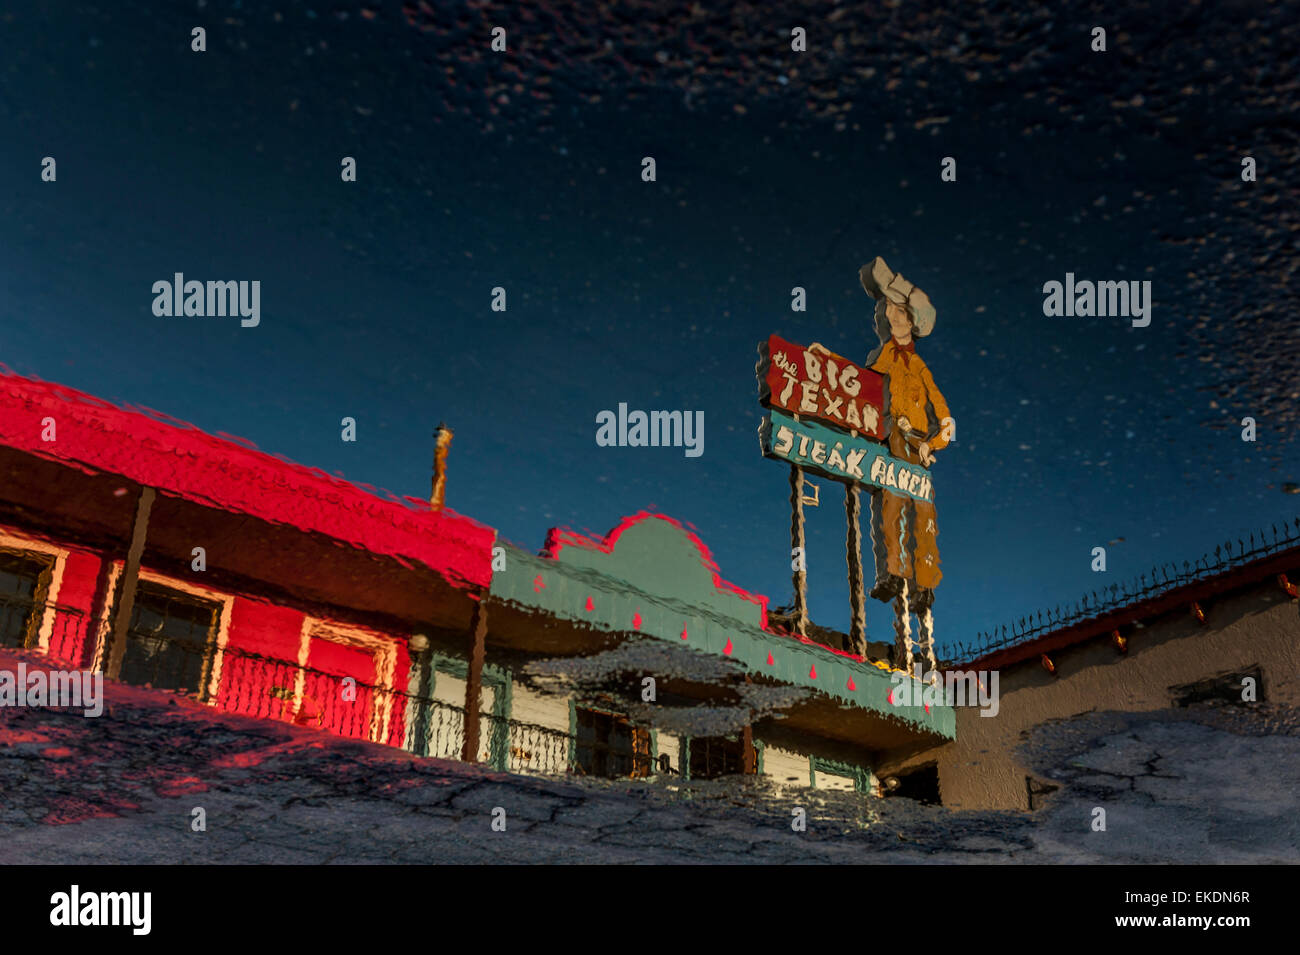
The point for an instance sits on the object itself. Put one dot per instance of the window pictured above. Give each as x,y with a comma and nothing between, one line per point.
169,640
24,581
1220,690
716,756
608,745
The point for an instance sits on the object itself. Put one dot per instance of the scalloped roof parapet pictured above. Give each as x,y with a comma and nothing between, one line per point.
653,575
659,555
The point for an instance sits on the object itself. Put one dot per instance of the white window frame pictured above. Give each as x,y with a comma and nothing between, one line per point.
382,647
224,601
31,545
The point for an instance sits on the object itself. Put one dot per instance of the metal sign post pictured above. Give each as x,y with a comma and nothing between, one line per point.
857,592
797,547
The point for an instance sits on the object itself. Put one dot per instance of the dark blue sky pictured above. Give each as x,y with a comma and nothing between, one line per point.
1072,433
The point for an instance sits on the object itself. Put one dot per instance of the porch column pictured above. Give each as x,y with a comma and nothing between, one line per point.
130,578
474,680
750,765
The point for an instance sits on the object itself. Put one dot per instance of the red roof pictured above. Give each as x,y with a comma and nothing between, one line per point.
178,459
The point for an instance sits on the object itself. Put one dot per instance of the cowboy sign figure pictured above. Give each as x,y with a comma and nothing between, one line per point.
920,425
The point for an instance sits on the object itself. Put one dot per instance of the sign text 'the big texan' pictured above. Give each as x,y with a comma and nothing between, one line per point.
823,386
840,456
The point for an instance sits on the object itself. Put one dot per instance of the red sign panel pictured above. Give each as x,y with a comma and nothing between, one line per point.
819,384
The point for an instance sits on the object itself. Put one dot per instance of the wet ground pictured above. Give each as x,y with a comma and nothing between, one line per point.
1178,786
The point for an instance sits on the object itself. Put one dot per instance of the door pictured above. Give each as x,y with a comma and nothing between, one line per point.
329,702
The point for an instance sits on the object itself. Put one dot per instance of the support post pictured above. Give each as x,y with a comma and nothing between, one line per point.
857,591
903,631
130,580
474,680
925,628
797,542
750,765
418,709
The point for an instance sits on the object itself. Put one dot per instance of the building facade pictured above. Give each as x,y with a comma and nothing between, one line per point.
141,547
1225,631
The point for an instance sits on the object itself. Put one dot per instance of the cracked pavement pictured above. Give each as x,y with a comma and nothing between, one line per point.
1178,786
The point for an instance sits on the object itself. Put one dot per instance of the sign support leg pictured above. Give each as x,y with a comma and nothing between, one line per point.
857,595
797,546
925,626
902,631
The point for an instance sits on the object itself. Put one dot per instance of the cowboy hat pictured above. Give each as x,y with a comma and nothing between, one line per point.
884,284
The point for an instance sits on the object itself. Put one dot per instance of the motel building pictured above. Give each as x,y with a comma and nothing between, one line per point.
165,557
139,546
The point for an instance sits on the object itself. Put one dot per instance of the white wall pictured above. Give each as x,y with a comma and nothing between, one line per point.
784,767
533,752
446,744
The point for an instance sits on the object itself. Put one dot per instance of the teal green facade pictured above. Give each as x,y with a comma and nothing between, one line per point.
652,576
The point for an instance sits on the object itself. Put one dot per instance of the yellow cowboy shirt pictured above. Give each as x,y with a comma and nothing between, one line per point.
911,387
